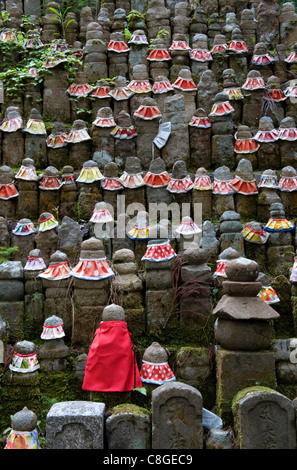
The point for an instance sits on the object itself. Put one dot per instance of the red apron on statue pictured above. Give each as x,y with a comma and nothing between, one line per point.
111,364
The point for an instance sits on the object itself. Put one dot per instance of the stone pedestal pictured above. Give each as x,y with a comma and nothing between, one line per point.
13,148
34,303
27,204
128,288
136,423
230,227
12,298
56,104
64,420
243,331
177,146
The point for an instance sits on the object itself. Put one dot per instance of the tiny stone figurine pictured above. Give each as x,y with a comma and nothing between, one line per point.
202,180
35,261
261,55
53,354
111,364
27,171
78,132
148,110
58,268
155,368
181,181
35,124
58,137
157,176
277,221
47,222
52,328
221,106
267,293
23,434
13,120
92,264
266,132
254,81
288,179
199,51
287,129
140,82
120,92
50,179
24,359
184,81
245,143
104,118
100,90
254,233
7,187
132,178
221,183
111,181
187,227
226,256
159,250
244,181
124,128
141,229
24,227
200,119
101,214
268,180
89,173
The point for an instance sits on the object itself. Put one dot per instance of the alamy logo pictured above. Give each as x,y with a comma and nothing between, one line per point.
161,219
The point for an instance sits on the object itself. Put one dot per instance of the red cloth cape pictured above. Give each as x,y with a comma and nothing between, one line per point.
110,365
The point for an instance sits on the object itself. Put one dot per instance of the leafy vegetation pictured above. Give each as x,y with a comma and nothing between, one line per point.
77,5
17,62
6,254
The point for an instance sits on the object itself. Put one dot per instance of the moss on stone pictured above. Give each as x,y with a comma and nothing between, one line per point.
131,409
18,391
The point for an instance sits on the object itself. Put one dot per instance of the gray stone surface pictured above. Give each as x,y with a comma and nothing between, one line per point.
128,428
250,335
177,417
75,425
265,420
11,270
11,290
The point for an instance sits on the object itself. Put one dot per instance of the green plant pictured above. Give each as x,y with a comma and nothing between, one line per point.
4,16
16,62
26,21
6,254
76,5
135,17
162,33
127,34
61,15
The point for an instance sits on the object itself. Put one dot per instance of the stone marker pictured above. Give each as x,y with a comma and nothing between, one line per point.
75,425
177,417
128,427
264,419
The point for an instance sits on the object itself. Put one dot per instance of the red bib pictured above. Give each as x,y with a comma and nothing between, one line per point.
111,365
